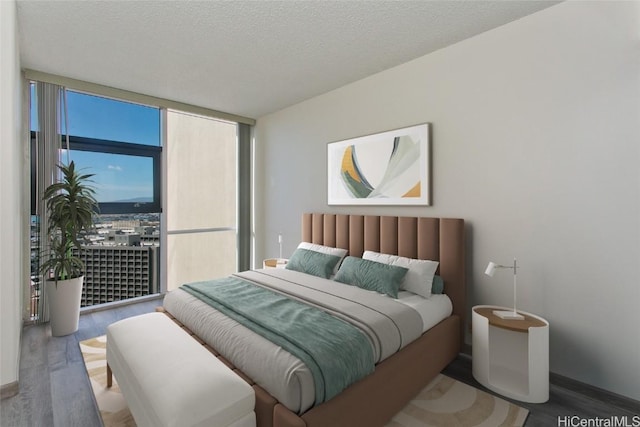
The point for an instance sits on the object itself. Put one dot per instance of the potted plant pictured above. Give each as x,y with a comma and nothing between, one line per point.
70,207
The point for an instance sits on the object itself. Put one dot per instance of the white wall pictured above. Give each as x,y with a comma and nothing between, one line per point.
536,143
11,193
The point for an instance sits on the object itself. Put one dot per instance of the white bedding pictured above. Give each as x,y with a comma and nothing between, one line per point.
280,373
432,310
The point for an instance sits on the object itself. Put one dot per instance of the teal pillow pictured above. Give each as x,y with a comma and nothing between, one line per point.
312,262
371,275
437,287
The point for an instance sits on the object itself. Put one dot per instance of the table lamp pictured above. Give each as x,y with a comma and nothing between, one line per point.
506,314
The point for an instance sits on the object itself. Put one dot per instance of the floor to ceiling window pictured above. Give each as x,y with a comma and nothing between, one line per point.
173,191
119,142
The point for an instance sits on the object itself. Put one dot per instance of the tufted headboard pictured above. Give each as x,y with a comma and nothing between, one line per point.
437,239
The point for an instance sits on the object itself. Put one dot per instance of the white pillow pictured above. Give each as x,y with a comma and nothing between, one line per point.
419,278
325,250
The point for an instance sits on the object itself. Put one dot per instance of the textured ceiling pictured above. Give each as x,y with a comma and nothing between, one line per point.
244,57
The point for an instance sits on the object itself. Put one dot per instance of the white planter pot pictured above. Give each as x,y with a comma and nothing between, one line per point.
64,305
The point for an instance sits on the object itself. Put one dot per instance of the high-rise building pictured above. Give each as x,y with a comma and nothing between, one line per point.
115,273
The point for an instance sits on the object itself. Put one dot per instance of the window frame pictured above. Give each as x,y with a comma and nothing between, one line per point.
33,173
105,146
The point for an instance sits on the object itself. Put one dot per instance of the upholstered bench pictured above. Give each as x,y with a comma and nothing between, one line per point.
169,379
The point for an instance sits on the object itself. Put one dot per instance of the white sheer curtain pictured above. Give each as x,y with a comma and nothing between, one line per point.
201,225
50,102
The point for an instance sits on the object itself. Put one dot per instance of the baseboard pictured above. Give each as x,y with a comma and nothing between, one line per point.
617,400
9,390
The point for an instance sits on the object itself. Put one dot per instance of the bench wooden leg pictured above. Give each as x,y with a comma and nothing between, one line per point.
109,376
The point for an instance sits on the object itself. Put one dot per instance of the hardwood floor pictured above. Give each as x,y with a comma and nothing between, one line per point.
567,398
54,386
55,389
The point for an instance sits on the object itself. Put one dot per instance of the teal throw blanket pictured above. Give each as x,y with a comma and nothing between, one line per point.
336,352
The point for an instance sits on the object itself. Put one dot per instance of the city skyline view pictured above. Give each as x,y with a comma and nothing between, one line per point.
137,234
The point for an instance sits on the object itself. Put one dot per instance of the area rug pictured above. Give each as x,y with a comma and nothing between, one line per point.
448,402
445,402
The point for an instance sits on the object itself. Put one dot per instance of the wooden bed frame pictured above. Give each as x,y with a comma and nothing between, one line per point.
375,399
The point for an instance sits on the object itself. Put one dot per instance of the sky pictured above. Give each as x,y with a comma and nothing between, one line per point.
117,177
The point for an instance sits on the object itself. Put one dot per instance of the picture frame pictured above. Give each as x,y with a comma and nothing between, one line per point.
388,168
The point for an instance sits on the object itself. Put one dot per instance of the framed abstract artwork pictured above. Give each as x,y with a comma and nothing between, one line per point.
388,168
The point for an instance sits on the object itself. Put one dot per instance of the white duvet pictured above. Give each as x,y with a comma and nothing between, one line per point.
281,374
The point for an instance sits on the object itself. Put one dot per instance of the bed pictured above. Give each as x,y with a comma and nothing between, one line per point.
397,377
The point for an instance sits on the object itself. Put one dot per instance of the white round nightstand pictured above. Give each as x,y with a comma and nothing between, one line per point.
511,357
274,263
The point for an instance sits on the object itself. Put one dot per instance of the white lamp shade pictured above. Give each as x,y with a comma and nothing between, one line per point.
491,269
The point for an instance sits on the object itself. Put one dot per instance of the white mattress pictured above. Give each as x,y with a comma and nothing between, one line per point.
432,310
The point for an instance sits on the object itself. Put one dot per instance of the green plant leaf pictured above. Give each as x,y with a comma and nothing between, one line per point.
71,205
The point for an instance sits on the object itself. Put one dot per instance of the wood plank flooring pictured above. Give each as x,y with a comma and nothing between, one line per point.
54,386
55,389
564,401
